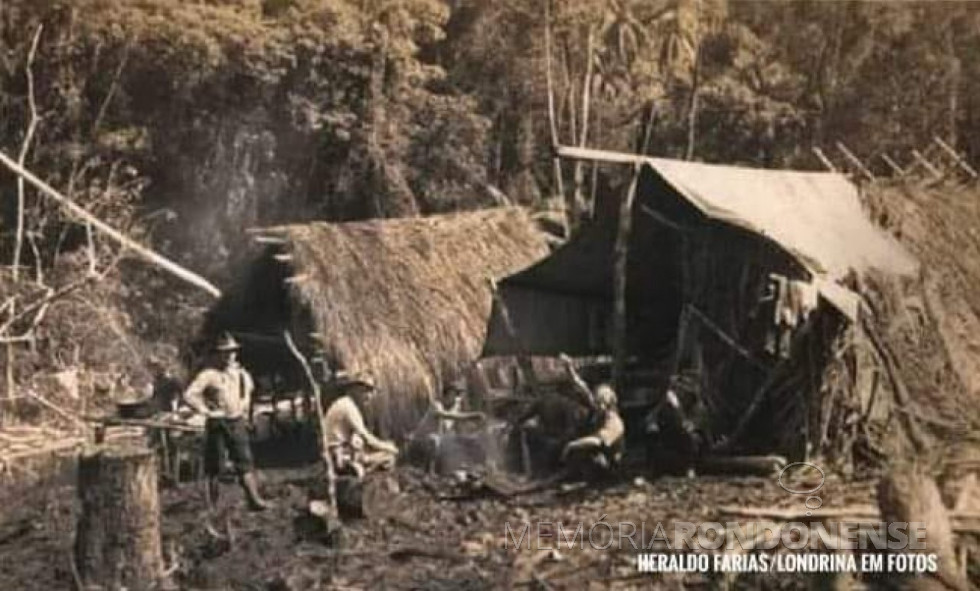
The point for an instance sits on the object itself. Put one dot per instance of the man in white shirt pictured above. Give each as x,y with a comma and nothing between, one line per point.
223,395
351,445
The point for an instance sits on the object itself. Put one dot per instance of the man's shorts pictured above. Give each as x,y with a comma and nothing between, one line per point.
230,434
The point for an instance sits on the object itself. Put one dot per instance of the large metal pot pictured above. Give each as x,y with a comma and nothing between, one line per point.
134,408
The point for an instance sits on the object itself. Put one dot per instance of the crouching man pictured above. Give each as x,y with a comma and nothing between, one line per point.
601,449
352,447
222,394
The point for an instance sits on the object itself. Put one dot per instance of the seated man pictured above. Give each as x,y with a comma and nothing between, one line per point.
438,426
351,446
674,439
602,448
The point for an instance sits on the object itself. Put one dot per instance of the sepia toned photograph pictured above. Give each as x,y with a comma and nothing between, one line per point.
489,294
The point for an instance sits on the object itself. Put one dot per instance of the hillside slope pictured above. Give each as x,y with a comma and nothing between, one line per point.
933,323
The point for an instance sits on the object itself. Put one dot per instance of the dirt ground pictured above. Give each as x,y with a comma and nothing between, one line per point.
415,540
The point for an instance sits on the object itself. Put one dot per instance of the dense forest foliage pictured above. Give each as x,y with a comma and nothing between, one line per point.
194,120
185,122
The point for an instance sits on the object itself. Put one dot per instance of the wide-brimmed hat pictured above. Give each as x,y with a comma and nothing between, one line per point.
354,381
227,343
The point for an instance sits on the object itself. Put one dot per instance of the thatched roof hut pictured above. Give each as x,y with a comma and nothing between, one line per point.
406,299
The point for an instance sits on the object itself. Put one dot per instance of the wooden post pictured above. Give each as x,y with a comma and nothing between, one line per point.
823,159
523,360
926,164
321,429
117,541
578,201
552,124
620,260
898,170
956,157
855,161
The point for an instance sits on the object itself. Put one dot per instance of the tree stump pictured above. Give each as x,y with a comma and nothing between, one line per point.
368,498
909,494
117,541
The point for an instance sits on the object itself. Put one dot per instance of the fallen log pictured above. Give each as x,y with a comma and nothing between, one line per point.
125,241
752,465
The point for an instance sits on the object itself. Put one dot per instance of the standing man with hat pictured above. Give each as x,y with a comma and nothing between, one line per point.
222,394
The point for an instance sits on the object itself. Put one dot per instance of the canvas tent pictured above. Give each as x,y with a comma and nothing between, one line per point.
707,246
405,299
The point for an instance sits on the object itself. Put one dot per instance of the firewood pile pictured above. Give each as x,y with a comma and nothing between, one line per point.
20,443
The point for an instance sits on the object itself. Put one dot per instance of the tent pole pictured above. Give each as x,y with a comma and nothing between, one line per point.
620,259
523,360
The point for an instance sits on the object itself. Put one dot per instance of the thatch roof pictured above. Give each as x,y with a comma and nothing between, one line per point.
407,299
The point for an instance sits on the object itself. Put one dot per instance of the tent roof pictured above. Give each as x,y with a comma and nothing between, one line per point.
816,216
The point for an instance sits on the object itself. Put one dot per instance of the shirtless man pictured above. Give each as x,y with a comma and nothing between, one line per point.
438,425
351,445
603,447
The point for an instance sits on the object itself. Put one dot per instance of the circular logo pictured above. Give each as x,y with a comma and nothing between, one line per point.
810,491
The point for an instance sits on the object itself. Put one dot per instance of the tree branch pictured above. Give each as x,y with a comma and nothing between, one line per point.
25,148
79,211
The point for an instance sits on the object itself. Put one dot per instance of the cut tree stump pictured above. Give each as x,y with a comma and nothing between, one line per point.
367,498
908,494
117,541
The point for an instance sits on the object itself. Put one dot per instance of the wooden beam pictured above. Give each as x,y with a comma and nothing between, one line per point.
126,242
823,159
926,164
593,155
898,170
523,360
620,260
265,239
855,161
726,338
662,219
955,156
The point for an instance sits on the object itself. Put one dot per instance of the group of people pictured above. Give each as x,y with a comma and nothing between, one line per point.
222,394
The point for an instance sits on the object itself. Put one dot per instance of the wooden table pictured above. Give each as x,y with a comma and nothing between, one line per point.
161,430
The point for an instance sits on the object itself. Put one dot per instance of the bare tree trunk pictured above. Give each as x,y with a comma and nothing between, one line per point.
692,107
578,200
620,260
11,378
117,541
555,161
953,90
692,113
25,147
